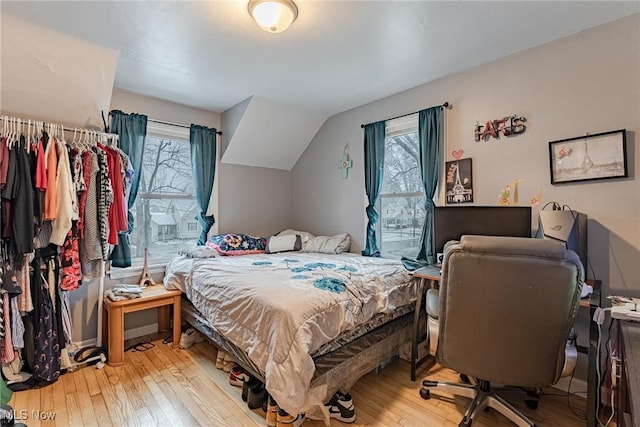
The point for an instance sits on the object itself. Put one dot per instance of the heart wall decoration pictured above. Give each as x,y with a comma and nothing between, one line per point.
457,154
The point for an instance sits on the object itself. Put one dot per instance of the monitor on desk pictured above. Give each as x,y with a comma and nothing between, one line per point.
452,222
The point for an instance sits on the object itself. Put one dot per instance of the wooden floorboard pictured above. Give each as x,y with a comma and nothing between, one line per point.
163,386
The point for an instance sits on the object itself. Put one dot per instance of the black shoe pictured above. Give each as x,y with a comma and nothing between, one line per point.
257,395
246,385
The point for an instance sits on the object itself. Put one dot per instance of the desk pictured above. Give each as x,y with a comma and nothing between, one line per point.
432,274
592,302
629,386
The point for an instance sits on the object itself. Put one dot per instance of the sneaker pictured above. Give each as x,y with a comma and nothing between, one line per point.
247,385
220,359
257,395
228,363
284,419
238,376
190,337
272,413
340,407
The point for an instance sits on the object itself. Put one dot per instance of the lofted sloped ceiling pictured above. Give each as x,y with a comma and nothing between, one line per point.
40,80
272,90
259,132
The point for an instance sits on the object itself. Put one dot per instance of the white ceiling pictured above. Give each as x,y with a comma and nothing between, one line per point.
336,56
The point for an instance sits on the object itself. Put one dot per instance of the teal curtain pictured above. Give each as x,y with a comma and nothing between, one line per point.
429,134
132,132
374,134
203,167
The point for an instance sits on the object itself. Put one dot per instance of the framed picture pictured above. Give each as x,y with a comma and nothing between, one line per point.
459,187
599,156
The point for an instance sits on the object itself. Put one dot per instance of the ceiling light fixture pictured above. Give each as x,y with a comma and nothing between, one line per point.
273,16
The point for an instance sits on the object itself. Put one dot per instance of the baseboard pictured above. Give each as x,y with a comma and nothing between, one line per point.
128,334
576,386
141,331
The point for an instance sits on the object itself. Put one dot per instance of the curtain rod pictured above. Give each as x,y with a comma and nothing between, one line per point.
176,124
444,105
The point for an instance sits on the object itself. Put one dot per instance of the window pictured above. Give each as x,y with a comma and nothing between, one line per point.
165,208
401,204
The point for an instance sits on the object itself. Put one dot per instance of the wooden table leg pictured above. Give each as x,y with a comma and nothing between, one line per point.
177,320
116,336
105,326
163,318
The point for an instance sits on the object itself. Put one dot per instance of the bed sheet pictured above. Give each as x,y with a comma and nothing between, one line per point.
280,308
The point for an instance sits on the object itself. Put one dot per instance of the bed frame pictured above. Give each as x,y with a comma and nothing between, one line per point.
338,369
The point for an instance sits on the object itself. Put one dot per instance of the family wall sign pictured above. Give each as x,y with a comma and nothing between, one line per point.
507,126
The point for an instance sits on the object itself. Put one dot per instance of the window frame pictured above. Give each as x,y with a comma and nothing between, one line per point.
157,264
396,127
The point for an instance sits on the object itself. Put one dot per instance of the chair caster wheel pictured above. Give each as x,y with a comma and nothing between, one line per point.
425,393
465,423
531,404
99,365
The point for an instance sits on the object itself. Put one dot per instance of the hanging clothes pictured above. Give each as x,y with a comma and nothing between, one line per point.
61,204
18,192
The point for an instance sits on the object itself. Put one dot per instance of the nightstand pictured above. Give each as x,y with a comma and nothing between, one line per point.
152,297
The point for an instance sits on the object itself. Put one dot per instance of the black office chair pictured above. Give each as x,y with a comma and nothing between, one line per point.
506,307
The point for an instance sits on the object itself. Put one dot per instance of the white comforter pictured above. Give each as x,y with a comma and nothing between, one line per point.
279,308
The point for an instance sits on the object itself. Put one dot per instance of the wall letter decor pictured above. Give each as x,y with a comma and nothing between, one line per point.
507,126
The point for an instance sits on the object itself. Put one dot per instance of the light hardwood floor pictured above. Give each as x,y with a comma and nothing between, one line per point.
163,386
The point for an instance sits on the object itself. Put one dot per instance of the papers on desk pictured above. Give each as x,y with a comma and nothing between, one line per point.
625,308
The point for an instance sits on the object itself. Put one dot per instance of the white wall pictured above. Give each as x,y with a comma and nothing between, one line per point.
42,81
587,83
254,200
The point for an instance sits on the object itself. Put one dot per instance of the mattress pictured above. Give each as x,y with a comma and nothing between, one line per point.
282,309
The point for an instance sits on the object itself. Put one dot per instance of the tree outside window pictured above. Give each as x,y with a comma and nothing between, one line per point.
165,207
402,197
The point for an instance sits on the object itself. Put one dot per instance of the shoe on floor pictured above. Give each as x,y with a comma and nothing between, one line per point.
238,376
340,407
220,359
286,420
257,395
228,363
272,413
190,337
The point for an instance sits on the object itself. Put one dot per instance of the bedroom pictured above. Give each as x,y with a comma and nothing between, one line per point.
585,83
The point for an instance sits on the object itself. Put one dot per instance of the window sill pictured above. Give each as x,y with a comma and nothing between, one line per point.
135,271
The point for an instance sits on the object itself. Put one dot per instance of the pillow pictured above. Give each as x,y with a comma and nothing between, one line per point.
284,243
291,232
329,244
199,252
237,244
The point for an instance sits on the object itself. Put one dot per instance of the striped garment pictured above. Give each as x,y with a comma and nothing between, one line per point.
17,327
8,354
105,199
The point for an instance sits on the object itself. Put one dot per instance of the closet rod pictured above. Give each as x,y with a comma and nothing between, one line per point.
25,122
219,132
444,105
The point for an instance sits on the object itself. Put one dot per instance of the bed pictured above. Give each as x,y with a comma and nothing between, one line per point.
307,324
